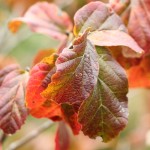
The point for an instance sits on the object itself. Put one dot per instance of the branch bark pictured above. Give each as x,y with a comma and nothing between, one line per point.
29,137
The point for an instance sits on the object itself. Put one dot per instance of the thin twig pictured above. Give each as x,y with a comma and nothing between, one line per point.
3,138
30,136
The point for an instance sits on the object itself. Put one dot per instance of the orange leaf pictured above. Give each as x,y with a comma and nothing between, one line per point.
139,76
14,27
40,77
41,54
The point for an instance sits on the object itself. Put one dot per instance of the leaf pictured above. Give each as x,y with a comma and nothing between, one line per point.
41,54
6,60
40,77
76,71
45,18
97,16
137,16
41,107
62,137
13,112
105,112
139,75
110,38
71,118
105,25
119,5
6,70
125,62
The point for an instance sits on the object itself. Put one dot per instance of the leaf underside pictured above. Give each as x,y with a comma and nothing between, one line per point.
105,26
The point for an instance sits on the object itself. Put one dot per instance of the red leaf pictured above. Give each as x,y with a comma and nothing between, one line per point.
62,137
40,76
136,16
97,16
105,112
71,117
76,71
13,112
105,25
45,18
41,54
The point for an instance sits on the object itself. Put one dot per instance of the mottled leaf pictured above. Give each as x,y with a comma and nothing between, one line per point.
105,25
13,112
62,137
40,77
76,73
45,18
105,112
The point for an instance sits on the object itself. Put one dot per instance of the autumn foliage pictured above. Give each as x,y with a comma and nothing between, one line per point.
85,82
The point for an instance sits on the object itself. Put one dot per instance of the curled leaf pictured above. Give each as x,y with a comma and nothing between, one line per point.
45,18
105,112
107,28
114,38
13,112
136,16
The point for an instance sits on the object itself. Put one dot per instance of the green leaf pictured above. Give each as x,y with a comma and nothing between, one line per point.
105,112
76,73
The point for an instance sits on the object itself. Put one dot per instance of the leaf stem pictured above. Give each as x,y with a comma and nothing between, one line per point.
30,136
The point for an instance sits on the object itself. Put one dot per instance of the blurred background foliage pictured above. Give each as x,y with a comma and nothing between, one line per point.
23,46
